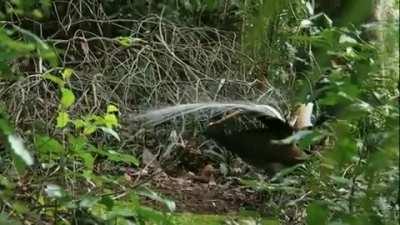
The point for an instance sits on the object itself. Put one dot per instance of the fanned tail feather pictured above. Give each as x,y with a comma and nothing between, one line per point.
210,109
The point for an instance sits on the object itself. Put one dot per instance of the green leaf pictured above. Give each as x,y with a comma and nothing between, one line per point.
78,123
62,119
98,120
108,201
112,109
5,126
78,143
344,151
118,157
89,129
127,41
48,147
17,145
88,160
67,73
54,79
91,117
316,214
67,98
110,120
37,14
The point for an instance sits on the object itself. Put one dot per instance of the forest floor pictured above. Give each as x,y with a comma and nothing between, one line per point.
196,183
192,194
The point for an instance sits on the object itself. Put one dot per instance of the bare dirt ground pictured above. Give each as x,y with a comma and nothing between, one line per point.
191,194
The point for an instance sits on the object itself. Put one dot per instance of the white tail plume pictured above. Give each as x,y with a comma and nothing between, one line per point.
158,116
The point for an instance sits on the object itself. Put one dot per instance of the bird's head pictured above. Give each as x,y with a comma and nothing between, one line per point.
302,118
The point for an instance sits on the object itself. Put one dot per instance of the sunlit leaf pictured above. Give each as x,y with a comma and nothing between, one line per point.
67,73
110,120
112,109
127,41
54,191
17,145
54,79
78,123
89,129
118,157
111,132
62,119
67,98
98,120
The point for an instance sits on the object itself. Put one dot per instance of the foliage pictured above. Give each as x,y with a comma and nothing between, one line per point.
358,179
18,43
360,165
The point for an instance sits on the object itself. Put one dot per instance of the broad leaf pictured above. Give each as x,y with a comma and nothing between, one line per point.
67,73
110,120
54,79
62,119
67,98
112,109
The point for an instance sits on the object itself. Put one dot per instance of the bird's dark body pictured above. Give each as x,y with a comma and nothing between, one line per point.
256,146
254,132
